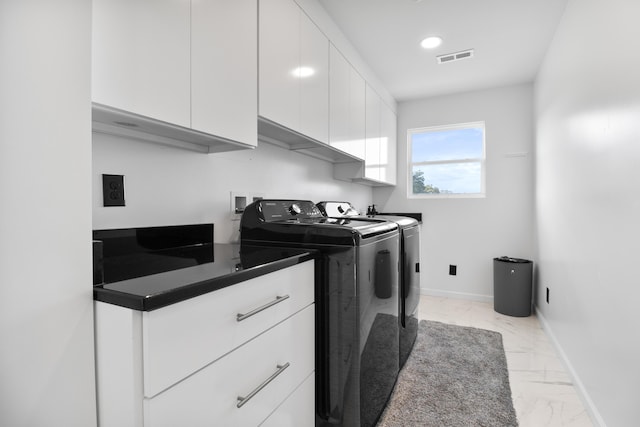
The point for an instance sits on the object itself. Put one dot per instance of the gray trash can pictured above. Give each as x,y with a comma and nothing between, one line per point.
512,281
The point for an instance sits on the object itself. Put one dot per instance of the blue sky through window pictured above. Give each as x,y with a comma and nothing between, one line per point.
453,144
450,159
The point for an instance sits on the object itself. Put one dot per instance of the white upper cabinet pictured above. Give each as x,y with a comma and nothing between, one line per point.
183,71
388,145
141,60
279,58
357,107
314,87
380,146
339,74
294,68
312,100
372,136
346,106
360,124
224,63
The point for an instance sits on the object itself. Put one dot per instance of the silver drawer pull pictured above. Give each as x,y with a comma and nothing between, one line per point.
243,400
240,316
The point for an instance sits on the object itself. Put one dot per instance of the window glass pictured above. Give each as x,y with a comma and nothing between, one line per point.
448,144
447,161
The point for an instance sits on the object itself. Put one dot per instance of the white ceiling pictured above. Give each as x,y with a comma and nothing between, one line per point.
510,38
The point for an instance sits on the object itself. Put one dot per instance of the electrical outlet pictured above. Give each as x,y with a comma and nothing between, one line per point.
547,295
113,190
453,270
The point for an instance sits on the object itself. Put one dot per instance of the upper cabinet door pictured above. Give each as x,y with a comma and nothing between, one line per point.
314,81
357,113
279,61
140,57
224,64
372,145
339,75
388,144
294,70
346,106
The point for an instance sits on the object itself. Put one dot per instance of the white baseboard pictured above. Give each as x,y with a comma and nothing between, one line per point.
457,295
596,418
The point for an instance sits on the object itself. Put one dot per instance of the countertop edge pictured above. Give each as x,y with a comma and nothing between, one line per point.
182,293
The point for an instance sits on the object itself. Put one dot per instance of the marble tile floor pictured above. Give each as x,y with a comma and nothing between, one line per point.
542,390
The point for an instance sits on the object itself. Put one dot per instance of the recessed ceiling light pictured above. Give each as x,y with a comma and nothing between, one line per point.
431,42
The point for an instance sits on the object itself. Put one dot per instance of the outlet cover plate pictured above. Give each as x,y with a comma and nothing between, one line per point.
113,190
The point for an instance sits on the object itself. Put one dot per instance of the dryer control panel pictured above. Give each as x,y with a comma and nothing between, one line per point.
278,210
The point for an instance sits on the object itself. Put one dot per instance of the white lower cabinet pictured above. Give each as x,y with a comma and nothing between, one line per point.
187,364
297,410
278,361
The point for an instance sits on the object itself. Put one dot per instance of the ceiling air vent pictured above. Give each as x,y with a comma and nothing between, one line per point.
457,56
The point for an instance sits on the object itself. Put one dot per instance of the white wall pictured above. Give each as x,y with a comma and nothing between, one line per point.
168,186
46,301
469,232
588,201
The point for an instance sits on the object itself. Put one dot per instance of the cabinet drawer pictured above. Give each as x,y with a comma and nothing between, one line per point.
184,337
299,408
210,396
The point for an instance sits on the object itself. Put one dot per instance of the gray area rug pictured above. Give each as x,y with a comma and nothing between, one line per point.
455,376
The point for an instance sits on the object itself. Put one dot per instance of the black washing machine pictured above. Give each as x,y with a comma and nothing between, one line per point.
357,327
409,279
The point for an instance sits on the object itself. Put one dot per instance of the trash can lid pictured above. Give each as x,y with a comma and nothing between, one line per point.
510,259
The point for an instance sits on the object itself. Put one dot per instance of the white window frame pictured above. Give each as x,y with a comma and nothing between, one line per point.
482,161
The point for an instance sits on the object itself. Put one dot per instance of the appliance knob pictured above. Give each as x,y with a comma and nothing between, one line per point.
294,209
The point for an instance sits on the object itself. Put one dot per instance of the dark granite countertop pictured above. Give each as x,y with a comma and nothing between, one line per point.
232,264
